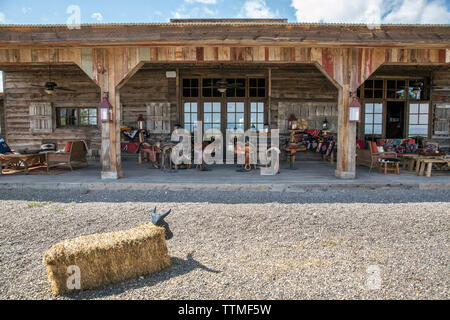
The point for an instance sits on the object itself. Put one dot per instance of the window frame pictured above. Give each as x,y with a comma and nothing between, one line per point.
418,113
77,117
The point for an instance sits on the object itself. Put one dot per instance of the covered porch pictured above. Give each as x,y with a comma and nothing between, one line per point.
174,81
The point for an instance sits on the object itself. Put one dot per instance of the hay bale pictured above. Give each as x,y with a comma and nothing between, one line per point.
108,257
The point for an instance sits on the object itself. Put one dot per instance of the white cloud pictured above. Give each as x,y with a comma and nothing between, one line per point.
193,13
419,11
257,9
97,16
202,1
25,10
372,11
2,18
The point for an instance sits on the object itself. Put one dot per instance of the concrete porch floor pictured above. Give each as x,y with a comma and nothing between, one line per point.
309,174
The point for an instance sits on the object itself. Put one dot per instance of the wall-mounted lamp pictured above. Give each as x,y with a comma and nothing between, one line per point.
105,110
354,109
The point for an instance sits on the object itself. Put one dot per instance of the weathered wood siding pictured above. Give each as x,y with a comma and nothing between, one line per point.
147,86
2,118
19,93
305,92
441,108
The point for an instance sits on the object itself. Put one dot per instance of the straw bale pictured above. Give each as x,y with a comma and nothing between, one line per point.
107,258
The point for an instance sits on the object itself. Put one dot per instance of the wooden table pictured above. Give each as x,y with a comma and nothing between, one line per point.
429,162
291,153
408,160
389,165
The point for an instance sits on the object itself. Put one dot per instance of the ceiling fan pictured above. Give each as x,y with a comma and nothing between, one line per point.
222,85
50,86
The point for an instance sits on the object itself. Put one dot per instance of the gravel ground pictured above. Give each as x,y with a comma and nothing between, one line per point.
243,245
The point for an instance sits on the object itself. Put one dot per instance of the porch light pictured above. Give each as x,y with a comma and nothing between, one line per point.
354,109
141,122
325,124
105,110
292,122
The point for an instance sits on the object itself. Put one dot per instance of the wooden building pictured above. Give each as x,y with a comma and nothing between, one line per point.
167,72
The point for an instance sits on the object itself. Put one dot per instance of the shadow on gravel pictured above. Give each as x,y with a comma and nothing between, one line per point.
179,267
330,195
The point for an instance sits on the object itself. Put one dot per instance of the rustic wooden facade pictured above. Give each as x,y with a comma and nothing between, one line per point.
113,55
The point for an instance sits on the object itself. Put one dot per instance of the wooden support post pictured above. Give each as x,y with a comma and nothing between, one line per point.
111,155
346,144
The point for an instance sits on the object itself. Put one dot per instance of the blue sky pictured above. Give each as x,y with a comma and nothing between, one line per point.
109,11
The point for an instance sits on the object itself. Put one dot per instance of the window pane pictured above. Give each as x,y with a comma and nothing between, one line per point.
413,118
261,117
207,117
240,107
231,117
423,119
216,106
84,121
369,118
186,107
194,107
368,129
377,118
253,107
261,107
377,129
378,108
187,118
253,118
240,117
93,121
369,108
216,117
368,93
423,108
414,108
193,117
231,107
207,107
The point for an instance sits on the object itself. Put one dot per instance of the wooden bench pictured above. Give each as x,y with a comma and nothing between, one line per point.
429,165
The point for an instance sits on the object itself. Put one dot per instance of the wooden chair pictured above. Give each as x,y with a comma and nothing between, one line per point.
77,153
375,155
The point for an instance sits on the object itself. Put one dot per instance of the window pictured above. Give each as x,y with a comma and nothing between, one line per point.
396,89
76,117
237,88
418,119
210,88
190,115
257,87
190,88
211,115
373,89
235,115
41,117
257,115
373,120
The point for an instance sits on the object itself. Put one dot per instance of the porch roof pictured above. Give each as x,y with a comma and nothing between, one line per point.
226,31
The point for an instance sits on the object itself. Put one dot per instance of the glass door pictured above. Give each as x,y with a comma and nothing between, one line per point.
211,115
235,115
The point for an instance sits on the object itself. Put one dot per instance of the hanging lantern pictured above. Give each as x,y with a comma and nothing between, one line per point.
105,110
141,122
325,124
292,122
354,109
